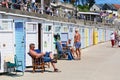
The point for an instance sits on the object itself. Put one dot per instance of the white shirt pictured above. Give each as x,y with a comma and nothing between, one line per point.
33,1
112,37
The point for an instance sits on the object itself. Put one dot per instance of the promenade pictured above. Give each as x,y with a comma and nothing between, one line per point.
99,62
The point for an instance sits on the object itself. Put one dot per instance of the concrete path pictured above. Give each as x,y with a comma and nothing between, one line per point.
99,62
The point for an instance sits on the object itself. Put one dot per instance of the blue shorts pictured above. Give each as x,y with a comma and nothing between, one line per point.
77,45
47,54
46,57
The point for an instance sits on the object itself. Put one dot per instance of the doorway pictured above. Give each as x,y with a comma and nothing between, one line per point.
39,35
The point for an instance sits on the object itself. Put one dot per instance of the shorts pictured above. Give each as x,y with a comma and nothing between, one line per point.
77,45
47,54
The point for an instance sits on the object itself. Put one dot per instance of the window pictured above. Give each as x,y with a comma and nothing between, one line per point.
57,29
31,27
64,37
64,29
70,29
6,25
47,28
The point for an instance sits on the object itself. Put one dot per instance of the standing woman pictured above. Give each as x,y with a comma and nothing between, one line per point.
112,39
77,44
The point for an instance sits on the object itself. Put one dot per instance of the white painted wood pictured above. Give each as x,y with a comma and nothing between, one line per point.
47,37
31,37
6,41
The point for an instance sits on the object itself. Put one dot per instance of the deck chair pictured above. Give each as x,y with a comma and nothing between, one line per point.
62,52
13,63
46,58
37,63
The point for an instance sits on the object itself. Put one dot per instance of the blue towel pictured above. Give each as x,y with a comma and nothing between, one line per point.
46,57
37,50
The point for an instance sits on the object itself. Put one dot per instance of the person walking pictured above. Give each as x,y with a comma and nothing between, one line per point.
112,39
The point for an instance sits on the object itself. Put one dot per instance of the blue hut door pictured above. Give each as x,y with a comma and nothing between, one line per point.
20,43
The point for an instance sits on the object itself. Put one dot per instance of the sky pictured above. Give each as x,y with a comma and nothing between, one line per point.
107,1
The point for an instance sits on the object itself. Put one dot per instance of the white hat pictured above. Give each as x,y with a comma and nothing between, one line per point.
76,29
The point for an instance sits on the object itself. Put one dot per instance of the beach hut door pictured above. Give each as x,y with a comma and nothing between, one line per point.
20,42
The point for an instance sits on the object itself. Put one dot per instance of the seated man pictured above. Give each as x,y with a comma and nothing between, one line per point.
41,54
69,46
61,51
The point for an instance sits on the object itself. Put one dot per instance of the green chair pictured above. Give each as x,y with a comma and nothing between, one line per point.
17,64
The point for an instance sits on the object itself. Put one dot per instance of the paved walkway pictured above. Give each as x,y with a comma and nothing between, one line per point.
99,62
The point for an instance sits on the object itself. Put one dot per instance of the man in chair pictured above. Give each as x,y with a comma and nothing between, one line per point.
41,54
61,51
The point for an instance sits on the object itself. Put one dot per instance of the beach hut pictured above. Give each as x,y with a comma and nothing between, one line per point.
95,36
82,32
86,36
71,33
7,42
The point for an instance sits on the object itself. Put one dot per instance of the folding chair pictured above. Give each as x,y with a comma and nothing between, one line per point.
14,65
